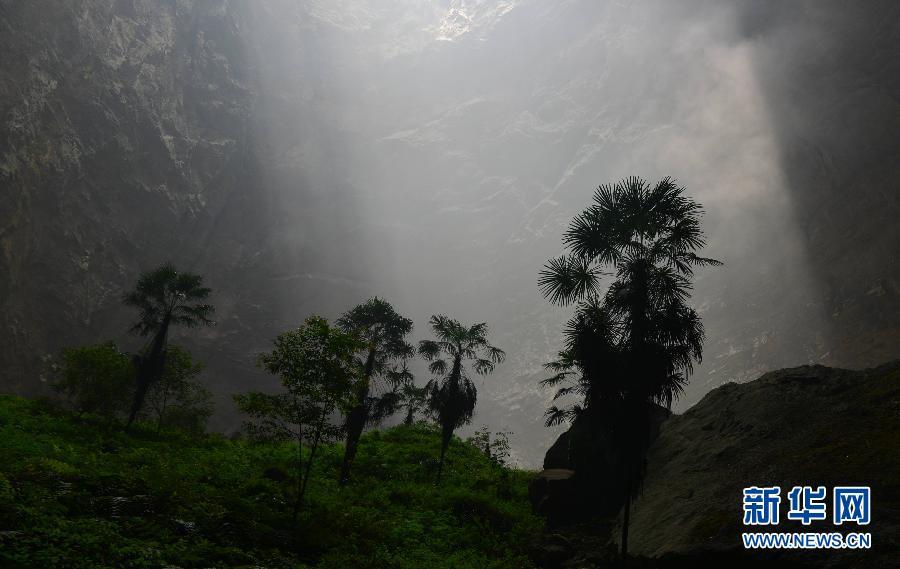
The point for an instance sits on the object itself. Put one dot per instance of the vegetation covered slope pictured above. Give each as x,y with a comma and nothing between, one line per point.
806,426
75,494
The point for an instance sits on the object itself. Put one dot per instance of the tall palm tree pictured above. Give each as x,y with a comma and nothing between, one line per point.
412,399
634,344
165,298
384,369
452,394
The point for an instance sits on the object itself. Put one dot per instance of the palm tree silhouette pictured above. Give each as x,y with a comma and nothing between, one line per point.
633,345
384,369
452,394
412,399
165,298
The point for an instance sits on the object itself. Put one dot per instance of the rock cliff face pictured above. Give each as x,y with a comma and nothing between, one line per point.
810,425
805,426
306,155
134,132
830,74
125,142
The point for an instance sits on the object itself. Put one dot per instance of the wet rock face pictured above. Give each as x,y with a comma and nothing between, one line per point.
829,72
810,425
554,495
137,132
557,456
581,477
124,139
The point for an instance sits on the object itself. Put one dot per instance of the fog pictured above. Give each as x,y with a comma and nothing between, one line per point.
307,155
447,145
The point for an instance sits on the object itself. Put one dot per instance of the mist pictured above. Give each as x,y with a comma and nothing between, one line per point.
453,144
305,156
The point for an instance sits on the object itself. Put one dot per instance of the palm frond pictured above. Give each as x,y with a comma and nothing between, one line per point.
438,367
564,280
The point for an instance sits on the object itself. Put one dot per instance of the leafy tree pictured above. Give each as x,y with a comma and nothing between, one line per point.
412,399
165,298
452,394
634,344
383,364
97,379
497,449
178,399
317,367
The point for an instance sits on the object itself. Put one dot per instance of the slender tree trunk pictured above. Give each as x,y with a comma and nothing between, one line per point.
309,462
149,370
446,429
409,417
441,462
162,410
631,474
356,420
299,487
446,438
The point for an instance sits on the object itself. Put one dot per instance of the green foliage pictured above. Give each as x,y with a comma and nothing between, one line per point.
178,399
451,395
315,360
75,495
383,333
632,346
97,379
497,448
164,298
412,400
317,367
383,363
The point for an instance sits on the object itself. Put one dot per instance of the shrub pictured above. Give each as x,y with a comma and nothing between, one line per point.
97,379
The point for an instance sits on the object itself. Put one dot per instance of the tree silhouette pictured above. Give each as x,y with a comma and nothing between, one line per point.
317,367
452,395
412,399
383,369
165,298
633,345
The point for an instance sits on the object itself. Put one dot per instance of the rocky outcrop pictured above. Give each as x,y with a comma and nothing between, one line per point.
555,496
136,132
831,86
809,425
125,138
581,479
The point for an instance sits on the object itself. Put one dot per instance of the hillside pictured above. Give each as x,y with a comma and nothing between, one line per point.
809,425
75,495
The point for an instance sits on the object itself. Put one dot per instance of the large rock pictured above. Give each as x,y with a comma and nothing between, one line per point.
809,425
593,477
557,456
553,495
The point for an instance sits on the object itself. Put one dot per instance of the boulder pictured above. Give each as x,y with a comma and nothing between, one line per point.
581,478
558,455
810,425
553,494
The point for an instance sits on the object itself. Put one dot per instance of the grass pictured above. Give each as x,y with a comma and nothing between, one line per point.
76,494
